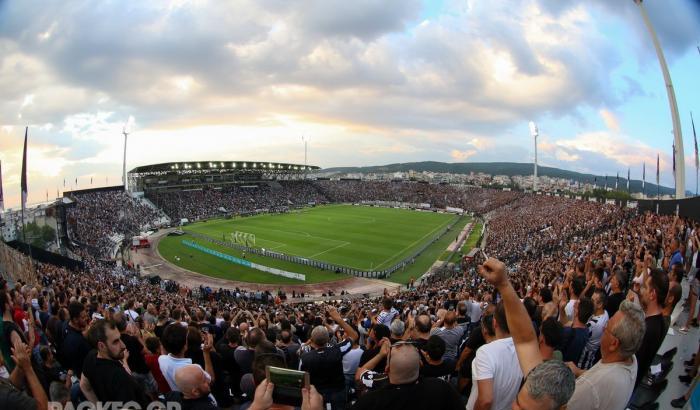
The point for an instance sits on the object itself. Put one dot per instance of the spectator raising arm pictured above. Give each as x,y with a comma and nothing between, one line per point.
333,313
21,354
519,323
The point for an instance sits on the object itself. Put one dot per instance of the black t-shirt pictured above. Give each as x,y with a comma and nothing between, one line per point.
219,389
474,342
75,348
442,370
111,382
230,366
325,365
613,303
653,337
369,354
136,360
434,394
202,403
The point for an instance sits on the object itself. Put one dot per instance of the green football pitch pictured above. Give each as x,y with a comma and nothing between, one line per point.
358,237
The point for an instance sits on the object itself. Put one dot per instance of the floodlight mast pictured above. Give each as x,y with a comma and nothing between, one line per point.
675,118
534,132
126,134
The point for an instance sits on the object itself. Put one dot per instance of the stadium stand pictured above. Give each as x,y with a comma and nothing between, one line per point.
563,275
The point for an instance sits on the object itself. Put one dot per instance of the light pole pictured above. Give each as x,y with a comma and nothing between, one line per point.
677,136
534,132
126,134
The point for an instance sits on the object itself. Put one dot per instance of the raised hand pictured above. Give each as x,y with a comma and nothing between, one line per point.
494,271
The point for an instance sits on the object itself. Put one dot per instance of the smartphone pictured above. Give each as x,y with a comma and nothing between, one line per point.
288,384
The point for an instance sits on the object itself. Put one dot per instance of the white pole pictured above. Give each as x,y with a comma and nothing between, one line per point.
126,134
677,136
534,132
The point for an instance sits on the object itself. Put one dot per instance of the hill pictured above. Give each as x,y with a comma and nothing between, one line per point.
502,168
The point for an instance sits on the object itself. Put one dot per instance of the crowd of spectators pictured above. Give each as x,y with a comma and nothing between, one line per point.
471,199
99,217
572,315
208,202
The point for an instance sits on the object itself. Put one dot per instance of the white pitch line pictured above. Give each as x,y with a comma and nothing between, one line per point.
328,250
412,244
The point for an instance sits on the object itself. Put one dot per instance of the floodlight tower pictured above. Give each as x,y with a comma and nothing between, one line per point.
677,136
534,132
126,134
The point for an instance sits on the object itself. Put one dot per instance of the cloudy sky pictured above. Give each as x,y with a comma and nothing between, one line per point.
367,82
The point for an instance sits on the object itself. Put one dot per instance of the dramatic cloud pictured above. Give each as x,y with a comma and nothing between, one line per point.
370,81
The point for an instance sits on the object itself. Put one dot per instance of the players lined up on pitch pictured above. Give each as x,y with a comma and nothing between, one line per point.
445,340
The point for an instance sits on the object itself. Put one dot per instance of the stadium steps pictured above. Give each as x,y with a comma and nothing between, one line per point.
164,218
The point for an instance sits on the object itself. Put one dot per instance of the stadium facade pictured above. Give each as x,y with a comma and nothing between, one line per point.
170,176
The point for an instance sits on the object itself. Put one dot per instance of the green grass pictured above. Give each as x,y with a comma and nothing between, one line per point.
196,261
469,244
429,256
358,237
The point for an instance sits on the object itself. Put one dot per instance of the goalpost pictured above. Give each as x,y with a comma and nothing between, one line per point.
243,238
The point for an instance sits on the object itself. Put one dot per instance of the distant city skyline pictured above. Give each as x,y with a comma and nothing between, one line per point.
365,82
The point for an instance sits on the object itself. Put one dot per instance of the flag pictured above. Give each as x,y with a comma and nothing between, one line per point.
695,137
644,175
2,201
24,171
628,179
657,170
674,160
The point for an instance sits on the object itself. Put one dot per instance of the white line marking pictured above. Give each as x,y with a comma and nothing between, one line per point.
328,250
411,245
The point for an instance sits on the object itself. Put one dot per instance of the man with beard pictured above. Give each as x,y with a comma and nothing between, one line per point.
105,377
652,298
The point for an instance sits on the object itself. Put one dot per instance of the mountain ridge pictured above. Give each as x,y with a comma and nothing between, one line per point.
504,168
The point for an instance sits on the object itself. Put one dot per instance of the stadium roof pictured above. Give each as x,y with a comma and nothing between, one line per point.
220,167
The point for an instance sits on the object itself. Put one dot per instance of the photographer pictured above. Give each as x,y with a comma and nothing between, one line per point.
325,364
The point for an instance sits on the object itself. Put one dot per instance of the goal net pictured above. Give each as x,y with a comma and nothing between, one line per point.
243,238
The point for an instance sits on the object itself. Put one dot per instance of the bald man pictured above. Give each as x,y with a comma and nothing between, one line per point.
193,383
405,388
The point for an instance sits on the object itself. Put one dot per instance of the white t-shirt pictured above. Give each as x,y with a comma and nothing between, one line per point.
351,361
569,309
498,361
169,365
474,309
606,387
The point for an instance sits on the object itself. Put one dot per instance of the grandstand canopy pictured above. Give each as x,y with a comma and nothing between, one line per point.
179,175
198,167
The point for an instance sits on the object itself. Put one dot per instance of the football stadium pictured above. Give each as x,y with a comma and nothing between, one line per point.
335,205
267,223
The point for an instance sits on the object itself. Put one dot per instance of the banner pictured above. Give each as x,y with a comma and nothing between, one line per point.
243,262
